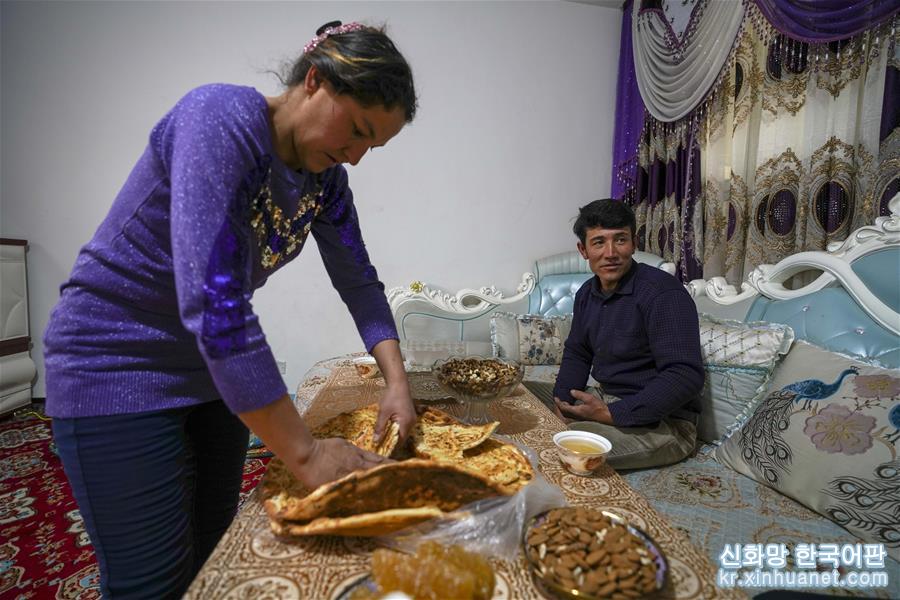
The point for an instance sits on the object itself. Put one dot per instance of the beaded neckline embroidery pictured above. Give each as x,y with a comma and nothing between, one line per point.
277,234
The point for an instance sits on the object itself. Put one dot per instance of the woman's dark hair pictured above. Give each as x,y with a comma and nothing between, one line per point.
364,64
606,213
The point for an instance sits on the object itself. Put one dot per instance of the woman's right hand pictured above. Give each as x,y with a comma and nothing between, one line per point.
333,458
312,461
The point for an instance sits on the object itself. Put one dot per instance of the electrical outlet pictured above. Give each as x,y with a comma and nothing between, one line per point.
282,366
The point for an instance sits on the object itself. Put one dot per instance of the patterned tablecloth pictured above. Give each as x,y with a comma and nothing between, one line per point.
250,562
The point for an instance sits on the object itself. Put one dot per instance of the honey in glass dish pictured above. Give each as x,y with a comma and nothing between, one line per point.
435,571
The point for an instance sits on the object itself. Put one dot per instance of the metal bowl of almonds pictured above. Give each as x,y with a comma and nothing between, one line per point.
590,554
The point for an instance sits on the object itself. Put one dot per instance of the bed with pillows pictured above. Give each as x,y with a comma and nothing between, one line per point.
801,406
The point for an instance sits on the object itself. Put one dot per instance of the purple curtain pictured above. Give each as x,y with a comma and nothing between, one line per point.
662,179
629,116
826,20
890,120
678,180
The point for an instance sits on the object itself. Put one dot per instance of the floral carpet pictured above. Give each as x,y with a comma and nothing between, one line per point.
44,549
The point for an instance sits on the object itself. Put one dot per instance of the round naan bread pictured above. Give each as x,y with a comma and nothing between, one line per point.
455,464
439,436
500,462
358,428
370,500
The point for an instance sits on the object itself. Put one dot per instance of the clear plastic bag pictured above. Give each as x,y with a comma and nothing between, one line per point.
492,527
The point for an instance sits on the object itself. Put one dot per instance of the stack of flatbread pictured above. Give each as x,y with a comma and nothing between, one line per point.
358,428
442,438
448,464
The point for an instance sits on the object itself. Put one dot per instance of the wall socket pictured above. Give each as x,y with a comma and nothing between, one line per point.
282,366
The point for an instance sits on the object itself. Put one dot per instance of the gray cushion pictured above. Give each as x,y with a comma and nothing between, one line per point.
738,359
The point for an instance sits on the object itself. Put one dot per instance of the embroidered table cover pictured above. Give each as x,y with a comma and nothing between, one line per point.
249,562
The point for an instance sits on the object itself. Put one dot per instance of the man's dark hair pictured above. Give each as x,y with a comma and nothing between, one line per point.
606,213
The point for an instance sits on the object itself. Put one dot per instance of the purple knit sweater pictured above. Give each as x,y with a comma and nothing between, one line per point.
157,312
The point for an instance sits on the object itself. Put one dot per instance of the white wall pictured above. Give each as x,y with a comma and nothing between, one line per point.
514,133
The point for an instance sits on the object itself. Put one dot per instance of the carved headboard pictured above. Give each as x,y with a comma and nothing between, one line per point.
853,306
422,312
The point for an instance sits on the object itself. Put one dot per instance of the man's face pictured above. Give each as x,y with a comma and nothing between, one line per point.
608,252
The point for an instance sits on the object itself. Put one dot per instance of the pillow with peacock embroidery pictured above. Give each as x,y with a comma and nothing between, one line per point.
826,434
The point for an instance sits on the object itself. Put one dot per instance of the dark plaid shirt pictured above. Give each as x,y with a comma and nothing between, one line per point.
642,343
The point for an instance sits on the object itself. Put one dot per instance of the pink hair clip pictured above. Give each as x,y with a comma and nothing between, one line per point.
329,30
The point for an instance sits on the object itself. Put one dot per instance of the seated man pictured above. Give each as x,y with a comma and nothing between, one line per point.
635,329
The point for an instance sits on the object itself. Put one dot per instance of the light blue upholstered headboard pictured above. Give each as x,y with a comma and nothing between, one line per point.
853,307
833,319
425,313
560,276
827,315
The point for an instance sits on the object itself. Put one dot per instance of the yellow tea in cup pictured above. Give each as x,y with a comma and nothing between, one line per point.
581,446
581,452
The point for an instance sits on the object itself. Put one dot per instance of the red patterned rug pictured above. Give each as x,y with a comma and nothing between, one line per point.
44,549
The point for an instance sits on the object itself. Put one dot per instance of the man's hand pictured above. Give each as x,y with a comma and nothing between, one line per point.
591,408
333,458
558,414
396,405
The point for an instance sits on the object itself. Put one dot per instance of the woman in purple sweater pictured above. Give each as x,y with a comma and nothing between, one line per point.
155,362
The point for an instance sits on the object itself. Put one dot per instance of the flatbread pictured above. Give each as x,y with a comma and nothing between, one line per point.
358,428
368,524
377,494
456,464
279,482
501,462
439,436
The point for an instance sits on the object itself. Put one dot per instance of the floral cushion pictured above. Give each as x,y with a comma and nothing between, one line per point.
541,373
826,435
530,339
738,359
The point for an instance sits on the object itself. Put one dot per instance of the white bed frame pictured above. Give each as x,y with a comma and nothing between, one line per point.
835,267
425,312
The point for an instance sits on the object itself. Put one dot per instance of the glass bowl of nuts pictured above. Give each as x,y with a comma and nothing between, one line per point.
583,553
476,380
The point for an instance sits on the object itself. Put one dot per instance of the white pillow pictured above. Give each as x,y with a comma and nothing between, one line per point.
738,359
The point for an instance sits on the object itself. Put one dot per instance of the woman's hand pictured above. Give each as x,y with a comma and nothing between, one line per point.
396,403
312,461
332,459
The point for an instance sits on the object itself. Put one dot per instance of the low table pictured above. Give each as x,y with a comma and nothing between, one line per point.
250,562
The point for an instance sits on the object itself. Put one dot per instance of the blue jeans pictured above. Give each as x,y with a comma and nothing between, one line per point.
156,490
